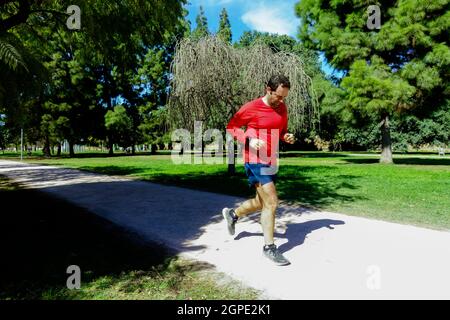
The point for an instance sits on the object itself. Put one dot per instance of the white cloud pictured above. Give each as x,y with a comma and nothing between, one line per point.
272,18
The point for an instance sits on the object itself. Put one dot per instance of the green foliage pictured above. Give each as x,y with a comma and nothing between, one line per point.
416,131
402,68
371,88
10,56
201,29
120,126
224,32
4,135
154,126
121,55
413,39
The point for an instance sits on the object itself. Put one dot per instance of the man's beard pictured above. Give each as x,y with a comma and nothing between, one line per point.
274,104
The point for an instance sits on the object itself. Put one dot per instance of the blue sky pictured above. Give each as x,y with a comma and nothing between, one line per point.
273,16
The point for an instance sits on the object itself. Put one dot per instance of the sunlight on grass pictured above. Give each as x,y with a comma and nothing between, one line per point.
175,282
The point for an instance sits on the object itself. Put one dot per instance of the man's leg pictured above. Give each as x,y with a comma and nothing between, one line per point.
268,195
231,216
249,206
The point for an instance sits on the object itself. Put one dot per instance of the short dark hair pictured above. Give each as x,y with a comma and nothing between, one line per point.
277,80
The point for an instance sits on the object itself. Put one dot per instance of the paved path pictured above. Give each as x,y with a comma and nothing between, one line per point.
333,256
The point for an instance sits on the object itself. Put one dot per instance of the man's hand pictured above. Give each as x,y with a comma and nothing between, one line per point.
256,143
289,138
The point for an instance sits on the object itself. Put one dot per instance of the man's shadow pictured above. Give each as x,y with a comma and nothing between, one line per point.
296,232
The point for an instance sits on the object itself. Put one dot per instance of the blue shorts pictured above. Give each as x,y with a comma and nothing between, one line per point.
259,173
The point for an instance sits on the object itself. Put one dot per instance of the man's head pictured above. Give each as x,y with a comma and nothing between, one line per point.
277,89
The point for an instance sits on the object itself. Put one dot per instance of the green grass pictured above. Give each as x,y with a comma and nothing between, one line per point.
42,236
416,190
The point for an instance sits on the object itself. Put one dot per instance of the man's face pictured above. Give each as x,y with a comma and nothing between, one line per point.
277,96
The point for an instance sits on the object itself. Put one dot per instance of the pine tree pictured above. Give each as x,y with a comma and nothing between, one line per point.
201,30
224,27
400,67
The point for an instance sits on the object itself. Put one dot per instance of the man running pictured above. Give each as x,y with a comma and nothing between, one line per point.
266,122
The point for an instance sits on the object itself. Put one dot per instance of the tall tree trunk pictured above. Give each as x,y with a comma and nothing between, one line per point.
59,150
386,145
110,145
71,149
46,149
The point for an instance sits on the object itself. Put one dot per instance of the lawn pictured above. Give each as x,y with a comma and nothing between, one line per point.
38,243
416,190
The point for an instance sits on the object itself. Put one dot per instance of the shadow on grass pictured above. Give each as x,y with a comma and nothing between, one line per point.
299,154
307,185
42,236
114,170
410,161
84,155
315,185
114,155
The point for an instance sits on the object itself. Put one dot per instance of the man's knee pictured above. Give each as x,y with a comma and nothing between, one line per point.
271,203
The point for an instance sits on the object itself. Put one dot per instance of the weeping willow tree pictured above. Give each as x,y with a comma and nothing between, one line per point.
212,80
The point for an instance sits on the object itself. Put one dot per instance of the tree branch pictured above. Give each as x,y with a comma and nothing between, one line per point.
49,11
18,18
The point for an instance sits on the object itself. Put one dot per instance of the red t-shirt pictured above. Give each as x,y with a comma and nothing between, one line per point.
262,122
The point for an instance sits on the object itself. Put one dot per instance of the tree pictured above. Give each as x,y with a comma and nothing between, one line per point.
92,69
3,133
323,87
19,89
373,89
412,130
224,32
15,12
120,126
144,28
201,29
10,56
212,79
54,130
154,126
400,68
